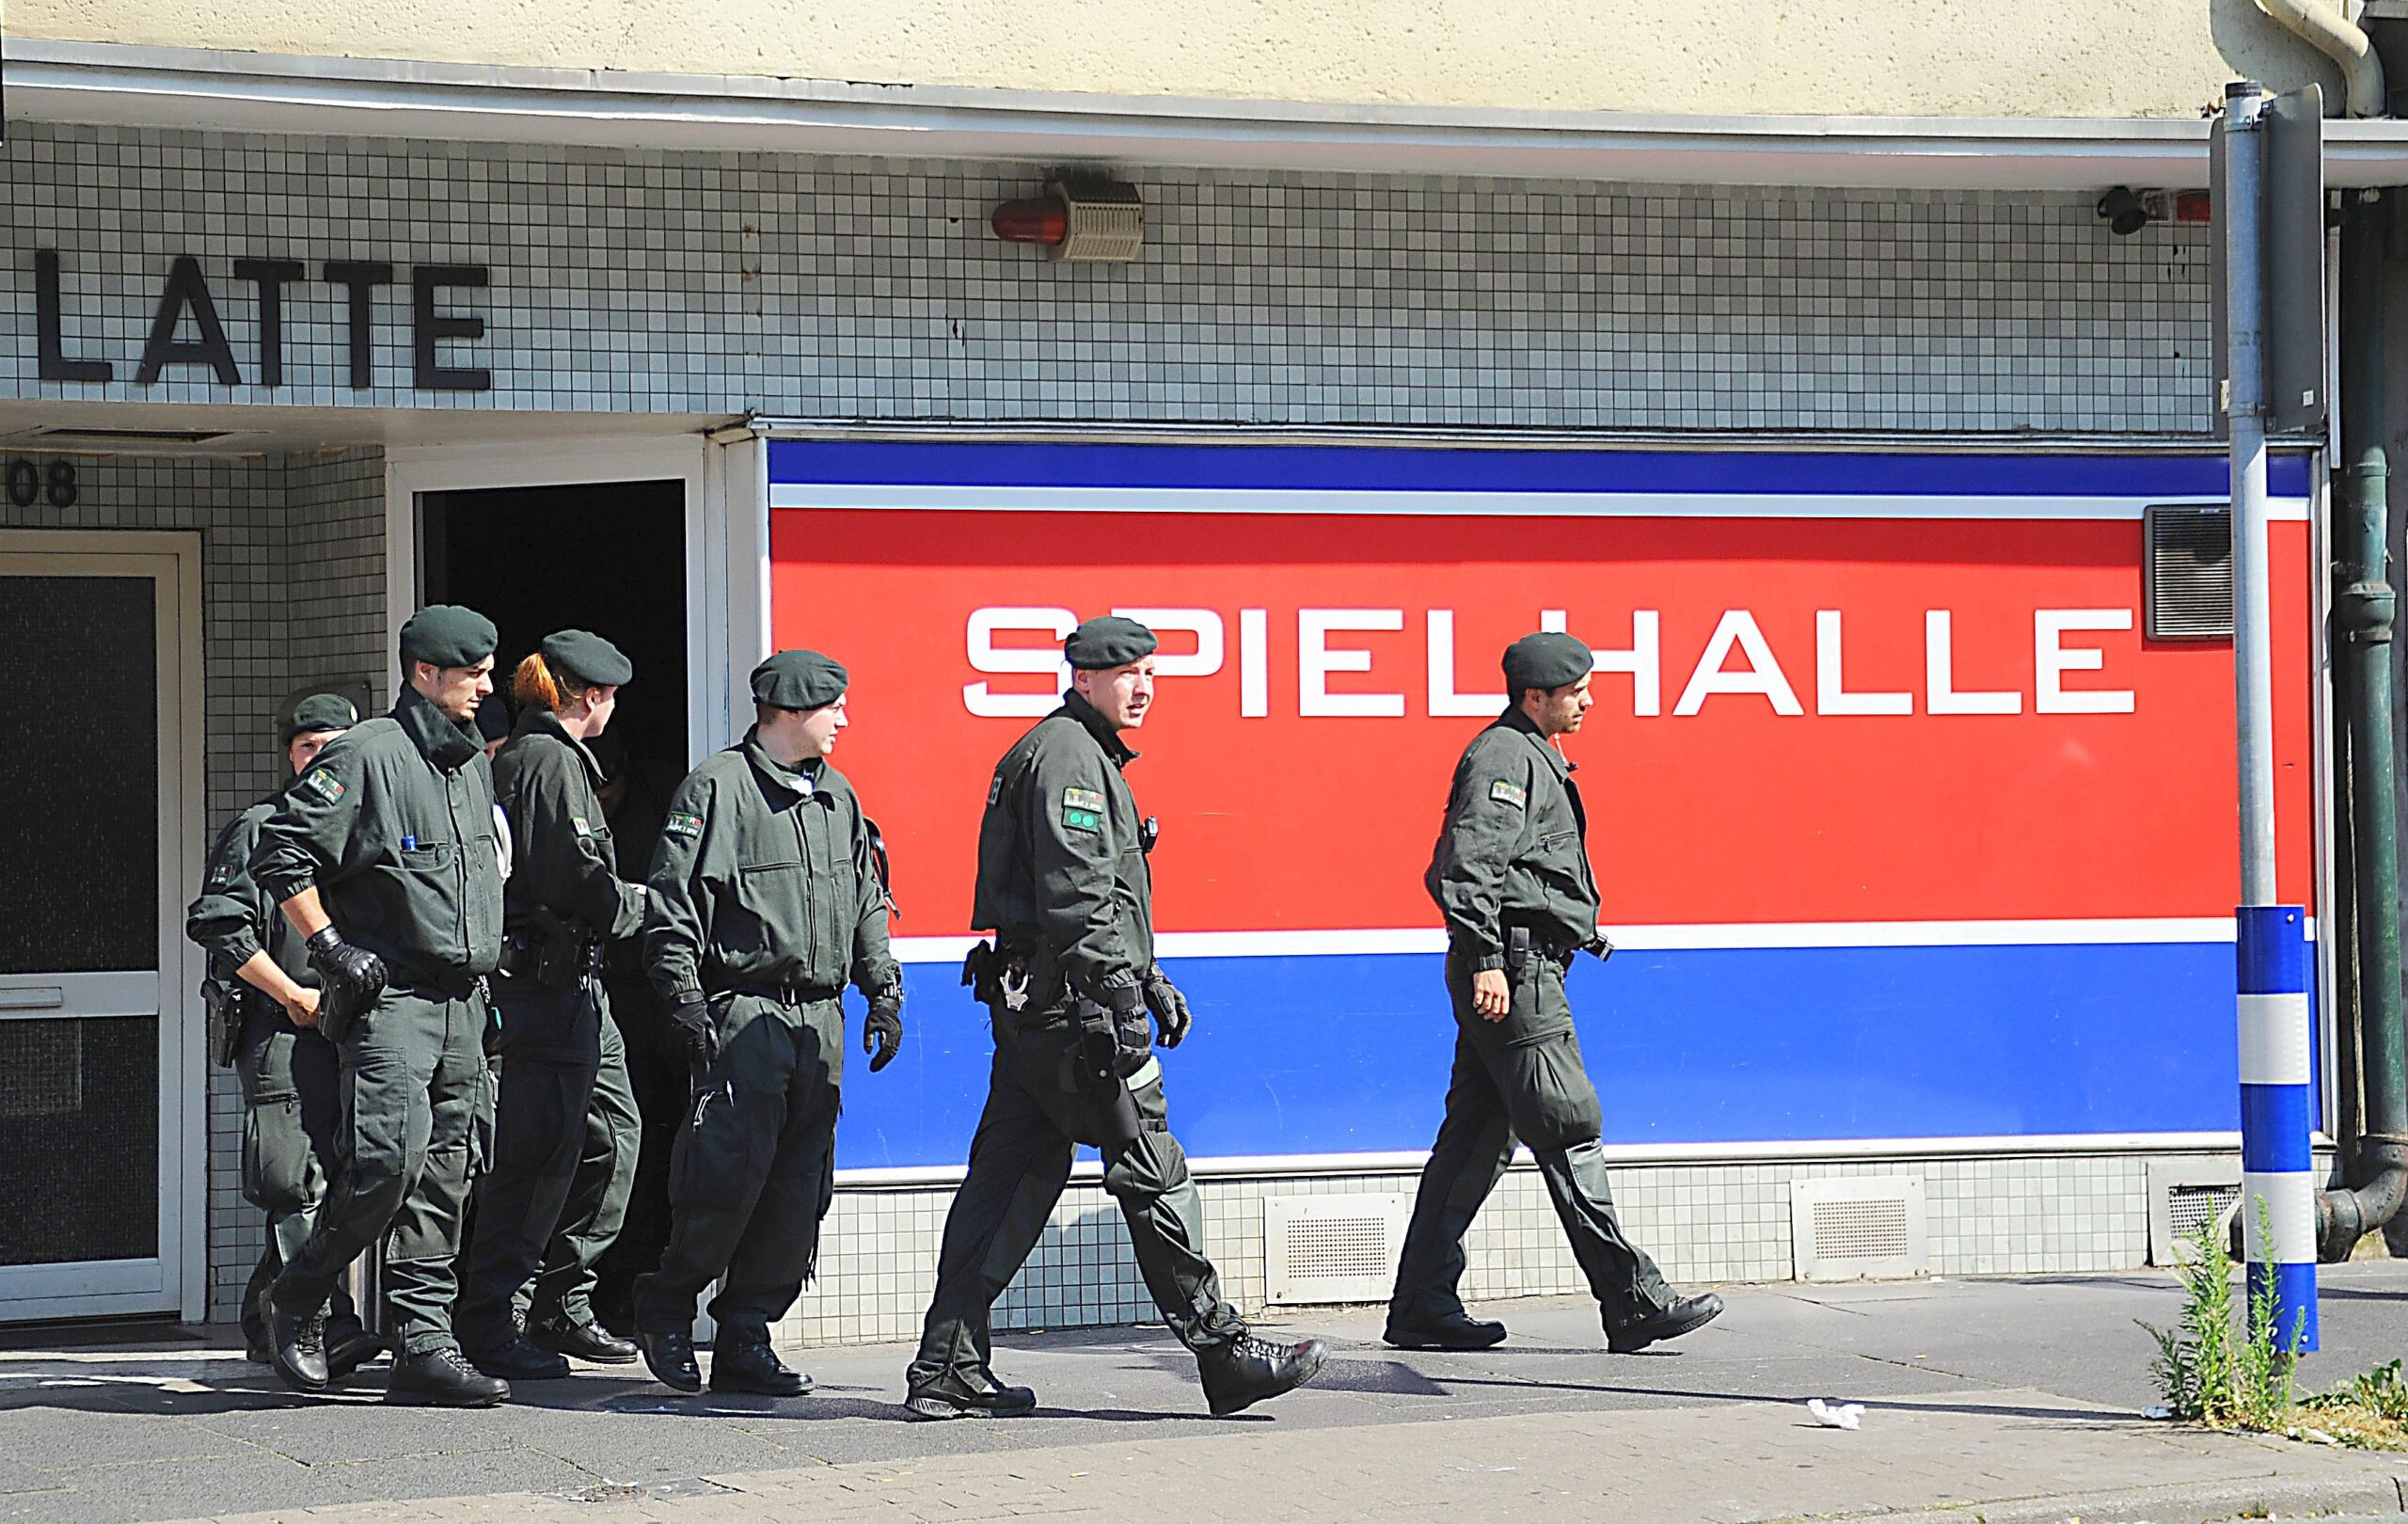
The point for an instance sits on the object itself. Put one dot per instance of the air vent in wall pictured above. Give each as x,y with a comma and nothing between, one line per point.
1857,1228
1332,1249
2187,591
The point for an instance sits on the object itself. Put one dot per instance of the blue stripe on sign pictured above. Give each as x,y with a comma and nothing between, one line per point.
2274,1129
2294,1303
1240,466
1351,1053
2272,946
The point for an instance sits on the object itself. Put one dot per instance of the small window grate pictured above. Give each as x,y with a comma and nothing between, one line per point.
1857,1227
1860,1230
1334,1247
2189,1208
2187,592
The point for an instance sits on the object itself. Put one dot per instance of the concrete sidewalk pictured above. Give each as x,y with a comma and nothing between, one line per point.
2005,1400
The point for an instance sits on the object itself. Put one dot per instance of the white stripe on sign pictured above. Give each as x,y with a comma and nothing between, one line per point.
2273,1040
1738,936
890,497
2290,1211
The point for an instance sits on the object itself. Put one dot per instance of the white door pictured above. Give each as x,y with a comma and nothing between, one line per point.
95,808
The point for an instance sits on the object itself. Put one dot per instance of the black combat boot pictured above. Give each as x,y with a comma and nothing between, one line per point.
296,1345
349,1346
1687,1315
441,1378
515,1359
581,1340
669,1357
754,1368
1245,1370
1456,1330
969,1394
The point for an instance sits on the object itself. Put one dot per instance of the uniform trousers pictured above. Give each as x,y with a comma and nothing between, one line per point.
1038,1108
1520,1078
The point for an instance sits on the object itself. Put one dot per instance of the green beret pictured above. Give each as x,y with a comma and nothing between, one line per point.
447,635
1101,645
320,711
586,659
799,681
1548,660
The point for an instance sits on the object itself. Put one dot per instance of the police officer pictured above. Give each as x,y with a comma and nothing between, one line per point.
1064,885
383,857
566,1127
765,901
263,999
1511,875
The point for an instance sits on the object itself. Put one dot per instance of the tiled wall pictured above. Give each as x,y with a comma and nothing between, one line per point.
1703,1224
715,282
277,535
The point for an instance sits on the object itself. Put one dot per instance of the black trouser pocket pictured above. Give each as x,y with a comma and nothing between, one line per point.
1537,1061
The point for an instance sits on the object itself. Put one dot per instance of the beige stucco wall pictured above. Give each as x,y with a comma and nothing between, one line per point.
1911,57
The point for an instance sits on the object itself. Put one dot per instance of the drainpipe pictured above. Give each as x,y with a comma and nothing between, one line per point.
2334,35
2363,617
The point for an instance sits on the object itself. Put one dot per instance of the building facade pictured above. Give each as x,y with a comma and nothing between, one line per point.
305,320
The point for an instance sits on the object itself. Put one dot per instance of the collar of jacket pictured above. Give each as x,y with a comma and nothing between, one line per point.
535,719
1098,726
804,780
442,740
1517,718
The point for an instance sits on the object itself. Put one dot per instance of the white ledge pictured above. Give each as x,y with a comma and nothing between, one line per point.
119,84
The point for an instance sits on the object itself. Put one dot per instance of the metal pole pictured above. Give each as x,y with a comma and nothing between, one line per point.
2278,1186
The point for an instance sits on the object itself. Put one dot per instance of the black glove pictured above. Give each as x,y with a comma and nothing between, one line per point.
690,1019
350,976
883,1029
1169,1006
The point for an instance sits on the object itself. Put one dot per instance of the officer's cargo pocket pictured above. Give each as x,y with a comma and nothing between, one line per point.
1548,1096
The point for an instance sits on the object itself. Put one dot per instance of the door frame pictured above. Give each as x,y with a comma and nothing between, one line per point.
181,1284
687,458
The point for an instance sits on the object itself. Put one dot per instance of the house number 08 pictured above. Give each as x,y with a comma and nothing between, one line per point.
29,484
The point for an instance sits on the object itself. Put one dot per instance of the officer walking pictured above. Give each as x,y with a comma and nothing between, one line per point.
565,1128
383,857
1064,885
263,1008
765,901
1511,875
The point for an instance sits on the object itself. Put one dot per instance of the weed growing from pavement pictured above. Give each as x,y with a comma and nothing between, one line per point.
2209,1373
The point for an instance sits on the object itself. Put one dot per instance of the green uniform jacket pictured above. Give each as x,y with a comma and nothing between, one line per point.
235,918
763,878
393,823
561,853
1513,850
1061,857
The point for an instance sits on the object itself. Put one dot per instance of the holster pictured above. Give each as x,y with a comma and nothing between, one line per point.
1014,981
1518,952
566,950
1105,1063
226,1009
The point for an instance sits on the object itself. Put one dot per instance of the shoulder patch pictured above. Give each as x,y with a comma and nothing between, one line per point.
1082,798
1509,793
994,788
578,822
1078,820
688,826
323,784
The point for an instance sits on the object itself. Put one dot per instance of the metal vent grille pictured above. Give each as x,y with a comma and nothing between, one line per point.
2187,594
1857,1229
2189,1208
1332,1249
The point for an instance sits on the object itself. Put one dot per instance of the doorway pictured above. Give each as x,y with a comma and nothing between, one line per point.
99,811
607,557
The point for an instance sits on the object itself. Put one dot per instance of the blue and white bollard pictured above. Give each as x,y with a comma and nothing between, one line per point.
2276,1166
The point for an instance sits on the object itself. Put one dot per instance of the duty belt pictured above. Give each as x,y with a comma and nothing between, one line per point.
522,955
451,984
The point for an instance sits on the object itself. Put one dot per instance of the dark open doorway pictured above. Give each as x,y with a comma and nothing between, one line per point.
610,557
